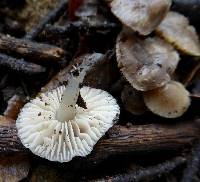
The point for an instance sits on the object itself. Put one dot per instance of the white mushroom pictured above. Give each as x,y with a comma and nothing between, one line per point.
175,29
170,101
54,127
142,16
146,63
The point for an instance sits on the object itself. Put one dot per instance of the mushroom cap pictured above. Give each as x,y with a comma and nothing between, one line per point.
170,101
146,63
45,136
175,29
142,16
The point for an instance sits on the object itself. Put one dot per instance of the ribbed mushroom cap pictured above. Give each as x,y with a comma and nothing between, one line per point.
175,29
146,63
170,101
46,136
142,16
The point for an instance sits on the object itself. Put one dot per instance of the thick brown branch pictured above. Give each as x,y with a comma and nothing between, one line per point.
29,49
122,140
141,139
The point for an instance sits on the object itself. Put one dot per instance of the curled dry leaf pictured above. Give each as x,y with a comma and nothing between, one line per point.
175,29
133,100
142,16
170,101
146,64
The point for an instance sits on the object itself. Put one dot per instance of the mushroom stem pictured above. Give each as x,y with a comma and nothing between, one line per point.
69,98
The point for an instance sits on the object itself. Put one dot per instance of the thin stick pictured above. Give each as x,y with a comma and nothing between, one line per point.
50,18
147,173
29,49
20,65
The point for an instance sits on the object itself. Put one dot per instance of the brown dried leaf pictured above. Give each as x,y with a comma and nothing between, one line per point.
175,29
146,64
142,16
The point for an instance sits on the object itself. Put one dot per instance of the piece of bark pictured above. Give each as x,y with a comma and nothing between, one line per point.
14,105
142,139
79,26
29,49
148,173
20,66
9,141
137,140
14,167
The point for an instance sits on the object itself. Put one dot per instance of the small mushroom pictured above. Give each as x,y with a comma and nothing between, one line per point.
142,16
146,63
175,29
54,127
133,100
170,101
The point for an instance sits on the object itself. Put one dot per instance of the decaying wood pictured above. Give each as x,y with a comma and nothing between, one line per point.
138,140
50,18
19,65
14,167
193,164
14,105
29,49
9,141
141,139
79,26
149,173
